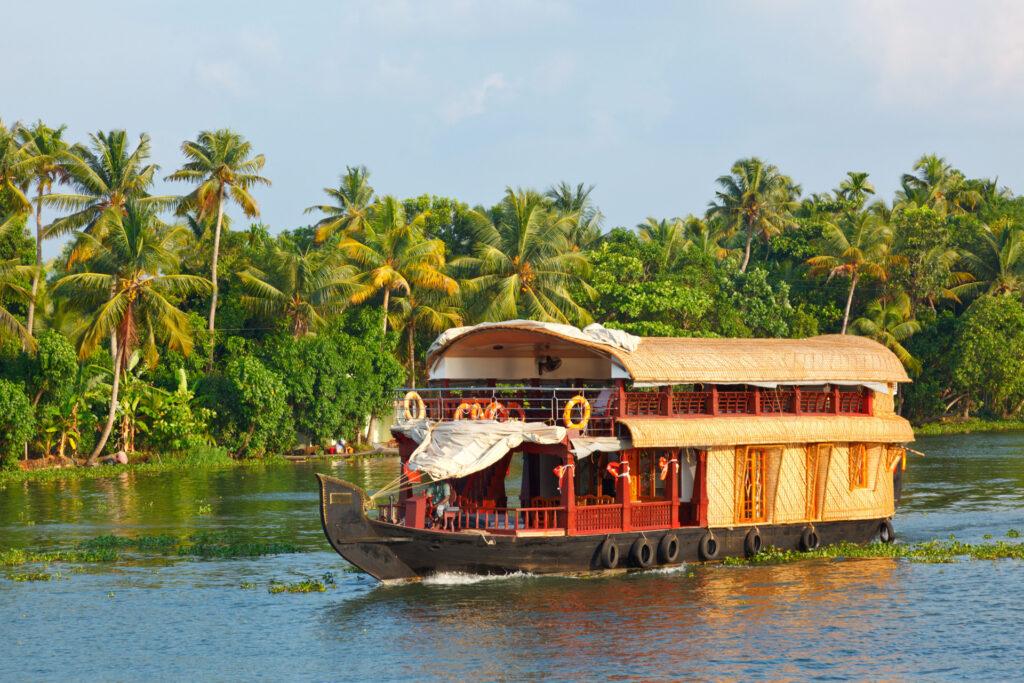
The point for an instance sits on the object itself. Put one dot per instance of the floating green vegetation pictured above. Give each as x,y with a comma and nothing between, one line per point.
14,557
1013,533
930,552
167,464
29,575
305,586
247,585
110,548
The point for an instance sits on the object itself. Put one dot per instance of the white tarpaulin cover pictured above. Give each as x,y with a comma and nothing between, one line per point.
458,449
584,447
593,333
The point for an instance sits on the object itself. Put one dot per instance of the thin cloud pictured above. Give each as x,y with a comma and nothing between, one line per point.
475,101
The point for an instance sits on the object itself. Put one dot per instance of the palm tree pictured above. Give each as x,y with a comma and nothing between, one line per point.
938,185
523,265
998,266
707,236
14,171
854,246
394,256
127,291
300,286
350,210
222,166
107,176
889,321
668,235
855,187
575,203
430,312
48,154
757,199
13,276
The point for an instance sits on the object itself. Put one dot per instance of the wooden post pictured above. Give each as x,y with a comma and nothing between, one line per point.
667,398
757,400
673,486
796,400
620,387
569,495
869,397
622,492
701,482
713,408
835,399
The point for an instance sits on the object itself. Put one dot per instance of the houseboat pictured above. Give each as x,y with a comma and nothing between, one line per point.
544,448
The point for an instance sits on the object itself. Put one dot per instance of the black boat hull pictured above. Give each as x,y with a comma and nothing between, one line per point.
392,552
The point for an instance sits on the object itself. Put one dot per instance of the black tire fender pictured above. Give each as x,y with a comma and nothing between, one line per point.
609,553
708,547
752,543
886,534
642,553
809,539
668,549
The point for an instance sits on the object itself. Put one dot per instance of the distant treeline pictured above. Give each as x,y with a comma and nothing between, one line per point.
165,326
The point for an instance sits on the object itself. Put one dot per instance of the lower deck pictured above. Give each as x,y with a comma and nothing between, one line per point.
545,491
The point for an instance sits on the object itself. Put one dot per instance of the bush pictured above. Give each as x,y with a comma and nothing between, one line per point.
17,423
988,355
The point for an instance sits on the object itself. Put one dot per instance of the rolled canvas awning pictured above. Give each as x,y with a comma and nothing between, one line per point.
458,449
775,429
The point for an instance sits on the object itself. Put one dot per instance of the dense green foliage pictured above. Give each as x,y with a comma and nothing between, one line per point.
163,327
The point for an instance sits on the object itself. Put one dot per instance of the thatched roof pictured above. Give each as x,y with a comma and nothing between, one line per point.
661,432
829,358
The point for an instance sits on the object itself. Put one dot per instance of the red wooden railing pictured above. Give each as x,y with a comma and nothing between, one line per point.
691,402
510,519
816,402
599,518
545,404
643,403
851,402
652,515
775,401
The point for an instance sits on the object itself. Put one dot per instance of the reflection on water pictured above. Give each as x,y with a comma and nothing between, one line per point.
172,618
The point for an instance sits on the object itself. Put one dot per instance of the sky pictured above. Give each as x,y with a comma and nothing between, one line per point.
649,102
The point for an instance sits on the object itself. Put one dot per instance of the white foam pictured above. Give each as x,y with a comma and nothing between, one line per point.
460,579
674,569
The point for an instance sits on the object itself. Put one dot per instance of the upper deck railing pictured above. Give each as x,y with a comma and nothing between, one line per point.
547,404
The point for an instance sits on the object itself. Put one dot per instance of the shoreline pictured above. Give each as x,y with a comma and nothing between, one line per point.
971,426
174,464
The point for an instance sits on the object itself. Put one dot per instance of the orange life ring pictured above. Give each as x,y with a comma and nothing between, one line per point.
577,400
421,409
494,410
518,409
474,410
619,469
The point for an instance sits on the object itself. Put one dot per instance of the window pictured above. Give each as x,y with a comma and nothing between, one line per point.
646,474
750,484
858,466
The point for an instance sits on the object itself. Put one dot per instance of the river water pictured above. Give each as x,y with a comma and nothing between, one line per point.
180,618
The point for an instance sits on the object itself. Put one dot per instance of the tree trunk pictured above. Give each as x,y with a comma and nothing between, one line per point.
746,251
372,427
213,275
112,414
39,261
849,301
412,354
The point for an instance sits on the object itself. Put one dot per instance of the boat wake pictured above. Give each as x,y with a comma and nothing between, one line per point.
460,579
674,569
